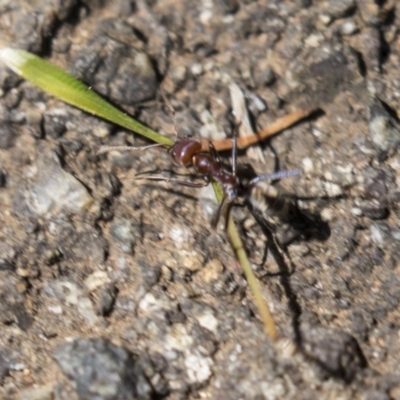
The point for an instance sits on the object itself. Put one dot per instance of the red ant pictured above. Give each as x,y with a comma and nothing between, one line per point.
187,151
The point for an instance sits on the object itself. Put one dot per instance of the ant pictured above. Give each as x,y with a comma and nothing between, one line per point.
187,151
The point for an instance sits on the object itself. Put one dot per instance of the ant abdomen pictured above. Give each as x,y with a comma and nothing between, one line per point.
183,150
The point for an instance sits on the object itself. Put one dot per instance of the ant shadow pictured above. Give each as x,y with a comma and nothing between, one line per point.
314,229
305,226
286,268
284,275
299,225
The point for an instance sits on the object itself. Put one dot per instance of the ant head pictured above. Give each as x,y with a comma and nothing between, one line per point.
183,150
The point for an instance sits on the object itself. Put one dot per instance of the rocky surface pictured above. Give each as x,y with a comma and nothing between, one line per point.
115,289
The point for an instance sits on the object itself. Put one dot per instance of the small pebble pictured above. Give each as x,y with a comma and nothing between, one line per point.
348,28
196,69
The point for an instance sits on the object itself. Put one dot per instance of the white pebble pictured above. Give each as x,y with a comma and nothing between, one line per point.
308,165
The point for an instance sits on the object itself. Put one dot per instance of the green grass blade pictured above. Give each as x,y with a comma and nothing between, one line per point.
254,284
64,86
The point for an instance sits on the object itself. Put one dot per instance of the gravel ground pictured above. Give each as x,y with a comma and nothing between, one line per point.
115,289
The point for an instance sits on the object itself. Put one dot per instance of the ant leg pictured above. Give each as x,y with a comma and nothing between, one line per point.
174,119
106,149
234,146
234,155
214,152
171,110
160,178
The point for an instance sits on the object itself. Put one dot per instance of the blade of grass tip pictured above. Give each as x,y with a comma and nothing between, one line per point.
57,82
238,248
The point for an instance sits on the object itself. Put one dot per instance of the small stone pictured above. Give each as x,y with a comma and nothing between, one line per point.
107,299
196,69
208,321
55,309
86,310
325,19
317,133
308,165
6,265
54,122
396,235
333,189
230,6
149,304
66,291
180,234
314,40
267,76
348,28
369,10
53,189
151,273
375,210
45,392
126,233
7,136
211,271
372,48
256,105
377,236
8,361
304,3
178,74
341,8
327,214
22,272
102,370
356,211
191,262
96,280
383,128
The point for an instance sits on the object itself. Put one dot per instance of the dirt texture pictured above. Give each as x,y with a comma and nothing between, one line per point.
114,288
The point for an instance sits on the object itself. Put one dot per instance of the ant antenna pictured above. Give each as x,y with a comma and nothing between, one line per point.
106,149
171,110
174,120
